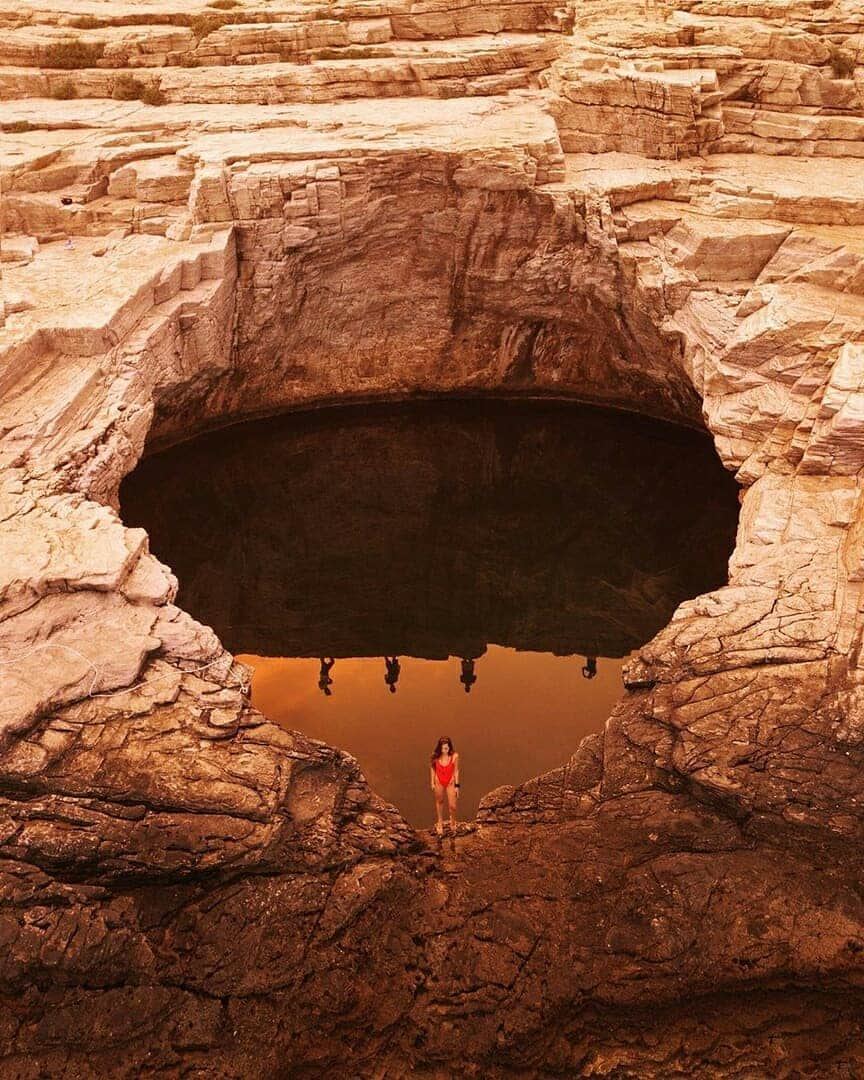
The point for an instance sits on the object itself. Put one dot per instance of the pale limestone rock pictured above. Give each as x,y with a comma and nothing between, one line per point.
664,206
836,442
724,251
69,646
658,114
151,180
64,544
149,582
496,171
18,249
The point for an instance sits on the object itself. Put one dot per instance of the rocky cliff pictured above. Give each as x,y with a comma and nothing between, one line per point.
225,211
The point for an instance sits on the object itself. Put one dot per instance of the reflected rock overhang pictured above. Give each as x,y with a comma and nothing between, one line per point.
435,529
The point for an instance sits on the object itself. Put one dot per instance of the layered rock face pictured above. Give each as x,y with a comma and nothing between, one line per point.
219,212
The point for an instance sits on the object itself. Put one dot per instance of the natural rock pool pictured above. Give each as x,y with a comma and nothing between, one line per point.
492,546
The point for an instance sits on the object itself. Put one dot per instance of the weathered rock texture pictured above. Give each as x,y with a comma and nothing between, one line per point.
645,207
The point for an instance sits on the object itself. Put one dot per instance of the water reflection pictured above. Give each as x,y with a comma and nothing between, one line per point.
393,669
469,675
425,532
324,679
526,715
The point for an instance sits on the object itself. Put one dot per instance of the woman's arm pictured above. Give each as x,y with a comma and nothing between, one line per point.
456,770
432,776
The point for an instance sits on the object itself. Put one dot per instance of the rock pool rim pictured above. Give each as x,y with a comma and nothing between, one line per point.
352,404
569,430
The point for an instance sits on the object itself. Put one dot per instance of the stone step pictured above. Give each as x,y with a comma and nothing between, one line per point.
769,67
89,293
754,128
793,189
409,18
481,65
662,114
293,32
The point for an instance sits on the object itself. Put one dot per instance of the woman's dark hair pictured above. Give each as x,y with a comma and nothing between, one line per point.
439,745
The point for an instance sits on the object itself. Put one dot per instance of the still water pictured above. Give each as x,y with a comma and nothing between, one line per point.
487,545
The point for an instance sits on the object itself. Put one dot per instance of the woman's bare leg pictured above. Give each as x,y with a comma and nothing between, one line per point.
439,808
451,800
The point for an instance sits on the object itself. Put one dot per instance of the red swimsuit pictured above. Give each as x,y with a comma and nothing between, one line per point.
444,772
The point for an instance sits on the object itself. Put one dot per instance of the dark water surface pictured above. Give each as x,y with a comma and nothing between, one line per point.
524,536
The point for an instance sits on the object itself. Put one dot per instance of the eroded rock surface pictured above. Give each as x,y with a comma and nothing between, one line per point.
217,212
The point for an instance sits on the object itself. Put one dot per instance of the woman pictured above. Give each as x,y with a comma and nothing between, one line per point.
444,776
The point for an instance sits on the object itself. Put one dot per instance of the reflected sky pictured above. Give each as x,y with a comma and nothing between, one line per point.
527,535
525,715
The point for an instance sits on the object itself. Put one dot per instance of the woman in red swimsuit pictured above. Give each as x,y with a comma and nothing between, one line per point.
444,776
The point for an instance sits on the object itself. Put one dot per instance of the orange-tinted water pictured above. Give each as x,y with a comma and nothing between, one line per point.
523,535
525,715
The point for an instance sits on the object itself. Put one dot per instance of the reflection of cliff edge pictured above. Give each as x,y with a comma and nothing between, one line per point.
433,530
